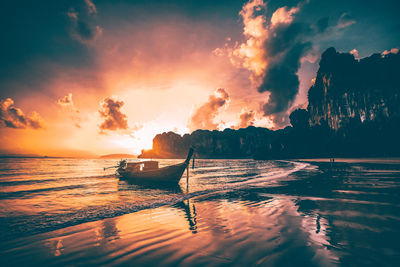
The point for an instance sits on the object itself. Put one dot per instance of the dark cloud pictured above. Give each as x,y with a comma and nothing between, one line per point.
36,48
273,51
280,119
13,117
277,40
82,17
203,117
287,44
36,38
246,118
114,119
280,78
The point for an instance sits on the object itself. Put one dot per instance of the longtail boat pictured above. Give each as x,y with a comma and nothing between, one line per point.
148,171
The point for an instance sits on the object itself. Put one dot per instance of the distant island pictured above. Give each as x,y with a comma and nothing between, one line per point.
118,156
353,111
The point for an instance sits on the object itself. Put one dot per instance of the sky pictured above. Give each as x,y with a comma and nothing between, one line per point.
86,77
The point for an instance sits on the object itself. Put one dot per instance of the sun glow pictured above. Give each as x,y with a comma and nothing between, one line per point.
143,137
150,82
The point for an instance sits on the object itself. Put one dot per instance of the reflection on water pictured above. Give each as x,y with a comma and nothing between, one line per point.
190,213
39,195
235,213
267,233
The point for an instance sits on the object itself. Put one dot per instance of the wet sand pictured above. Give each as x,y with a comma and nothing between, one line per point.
347,215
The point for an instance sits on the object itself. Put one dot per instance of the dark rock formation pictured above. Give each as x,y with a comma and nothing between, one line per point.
242,143
300,118
346,89
353,111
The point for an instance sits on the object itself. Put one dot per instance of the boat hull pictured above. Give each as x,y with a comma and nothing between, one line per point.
170,174
166,175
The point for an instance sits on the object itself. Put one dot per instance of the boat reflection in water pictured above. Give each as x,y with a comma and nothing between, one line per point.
187,205
190,210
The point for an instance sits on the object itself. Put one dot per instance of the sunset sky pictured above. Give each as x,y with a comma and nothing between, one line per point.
87,77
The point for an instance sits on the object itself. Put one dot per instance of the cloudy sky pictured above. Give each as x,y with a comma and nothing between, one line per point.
94,77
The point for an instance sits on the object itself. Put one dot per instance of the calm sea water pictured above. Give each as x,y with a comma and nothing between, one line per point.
39,195
233,212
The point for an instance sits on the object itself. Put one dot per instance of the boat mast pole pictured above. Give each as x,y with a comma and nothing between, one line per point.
187,178
187,162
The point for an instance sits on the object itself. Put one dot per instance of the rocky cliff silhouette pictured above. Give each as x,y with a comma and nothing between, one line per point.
346,88
242,143
353,111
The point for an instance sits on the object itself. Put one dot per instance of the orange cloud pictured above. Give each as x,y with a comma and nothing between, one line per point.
272,52
391,51
247,118
91,7
114,119
67,104
354,52
66,100
13,117
283,15
204,116
251,54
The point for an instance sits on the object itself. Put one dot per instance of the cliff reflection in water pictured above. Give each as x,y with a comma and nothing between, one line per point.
237,231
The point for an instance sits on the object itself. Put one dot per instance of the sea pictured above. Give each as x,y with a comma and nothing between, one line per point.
65,211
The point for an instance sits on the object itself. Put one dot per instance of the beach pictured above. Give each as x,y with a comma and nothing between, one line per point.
233,213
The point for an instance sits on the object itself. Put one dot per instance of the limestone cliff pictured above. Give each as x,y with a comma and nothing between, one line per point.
354,111
346,89
242,143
